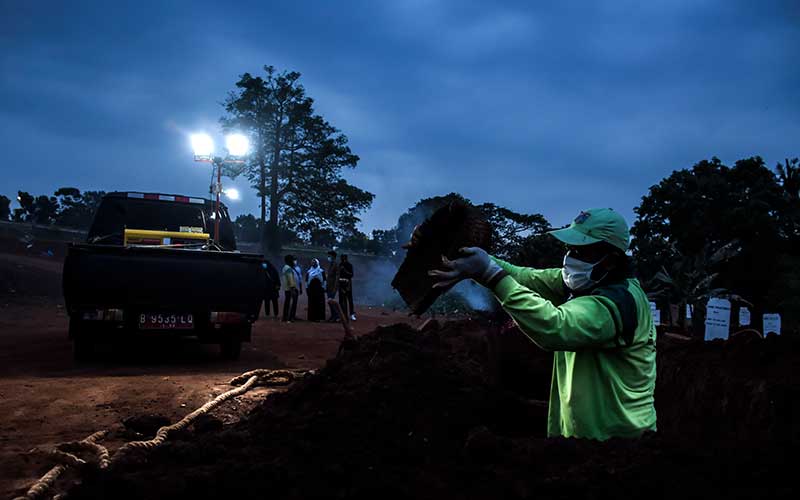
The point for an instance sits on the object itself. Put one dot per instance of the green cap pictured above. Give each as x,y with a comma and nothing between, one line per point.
593,226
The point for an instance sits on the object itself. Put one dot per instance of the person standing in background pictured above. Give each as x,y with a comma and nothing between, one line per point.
346,288
272,286
290,293
315,288
298,271
333,283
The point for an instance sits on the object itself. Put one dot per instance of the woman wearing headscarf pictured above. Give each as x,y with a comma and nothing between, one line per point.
315,290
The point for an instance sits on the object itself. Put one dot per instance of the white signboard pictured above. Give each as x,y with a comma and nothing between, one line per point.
718,319
744,316
688,311
772,323
656,313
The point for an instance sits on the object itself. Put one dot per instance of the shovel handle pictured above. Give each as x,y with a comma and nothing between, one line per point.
348,330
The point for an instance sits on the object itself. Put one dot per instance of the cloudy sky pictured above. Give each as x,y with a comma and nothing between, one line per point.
541,109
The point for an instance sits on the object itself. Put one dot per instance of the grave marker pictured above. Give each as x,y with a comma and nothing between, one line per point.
744,316
656,313
718,319
772,323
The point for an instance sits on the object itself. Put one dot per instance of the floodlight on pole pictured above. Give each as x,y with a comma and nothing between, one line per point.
232,193
238,144
203,147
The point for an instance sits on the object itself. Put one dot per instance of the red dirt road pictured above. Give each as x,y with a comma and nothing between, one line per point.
48,399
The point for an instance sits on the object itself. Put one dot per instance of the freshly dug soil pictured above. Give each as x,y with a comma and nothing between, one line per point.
743,389
448,229
403,414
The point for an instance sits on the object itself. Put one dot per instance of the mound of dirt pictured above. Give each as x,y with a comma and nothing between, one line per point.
743,389
403,414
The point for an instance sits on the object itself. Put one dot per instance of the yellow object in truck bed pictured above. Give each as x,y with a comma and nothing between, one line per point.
149,237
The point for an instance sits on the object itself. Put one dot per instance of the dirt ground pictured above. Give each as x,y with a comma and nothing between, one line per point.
47,398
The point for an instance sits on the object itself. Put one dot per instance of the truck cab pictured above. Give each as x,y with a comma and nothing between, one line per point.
121,214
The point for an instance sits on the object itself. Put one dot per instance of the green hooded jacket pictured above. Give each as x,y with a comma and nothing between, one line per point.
604,365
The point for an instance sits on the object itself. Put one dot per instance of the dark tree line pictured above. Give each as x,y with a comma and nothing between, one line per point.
719,230
517,237
68,207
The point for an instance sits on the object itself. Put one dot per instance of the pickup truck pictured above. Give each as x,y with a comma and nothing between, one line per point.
150,267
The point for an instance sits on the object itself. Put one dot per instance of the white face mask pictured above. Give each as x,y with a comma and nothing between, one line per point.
577,274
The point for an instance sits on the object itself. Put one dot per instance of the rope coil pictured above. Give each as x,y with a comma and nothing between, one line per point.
64,452
40,487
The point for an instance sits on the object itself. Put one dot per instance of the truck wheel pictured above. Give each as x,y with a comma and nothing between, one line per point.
82,348
231,349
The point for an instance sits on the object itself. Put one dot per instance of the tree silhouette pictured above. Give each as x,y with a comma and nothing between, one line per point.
247,228
5,208
297,160
789,177
77,209
511,231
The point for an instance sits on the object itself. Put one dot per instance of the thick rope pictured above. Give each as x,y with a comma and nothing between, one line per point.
98,451
44,483
245,382
65,458
266,377
164,432
40,487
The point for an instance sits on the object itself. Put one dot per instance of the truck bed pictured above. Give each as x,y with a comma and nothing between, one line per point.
139,279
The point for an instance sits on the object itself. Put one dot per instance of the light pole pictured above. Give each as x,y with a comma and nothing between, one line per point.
237,147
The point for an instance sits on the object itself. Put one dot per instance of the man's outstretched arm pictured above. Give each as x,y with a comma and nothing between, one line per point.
585,322
546,282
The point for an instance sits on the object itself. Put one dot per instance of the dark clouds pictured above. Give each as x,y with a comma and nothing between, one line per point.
544,109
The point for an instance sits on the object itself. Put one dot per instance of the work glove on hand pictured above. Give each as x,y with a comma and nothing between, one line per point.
475,264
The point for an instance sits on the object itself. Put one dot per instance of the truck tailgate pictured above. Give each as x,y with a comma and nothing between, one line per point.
162,279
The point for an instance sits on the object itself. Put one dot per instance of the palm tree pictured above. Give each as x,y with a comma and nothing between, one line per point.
690,279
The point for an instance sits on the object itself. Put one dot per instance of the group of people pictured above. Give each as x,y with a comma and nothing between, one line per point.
318,284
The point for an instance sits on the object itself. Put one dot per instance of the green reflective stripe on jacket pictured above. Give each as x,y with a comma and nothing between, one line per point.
603,382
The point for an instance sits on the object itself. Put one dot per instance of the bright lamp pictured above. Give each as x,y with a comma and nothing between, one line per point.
202,144
237,144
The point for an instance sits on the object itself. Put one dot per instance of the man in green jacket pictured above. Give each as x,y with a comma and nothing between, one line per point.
593,314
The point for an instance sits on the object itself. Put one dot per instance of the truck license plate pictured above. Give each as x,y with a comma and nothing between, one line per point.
161,321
